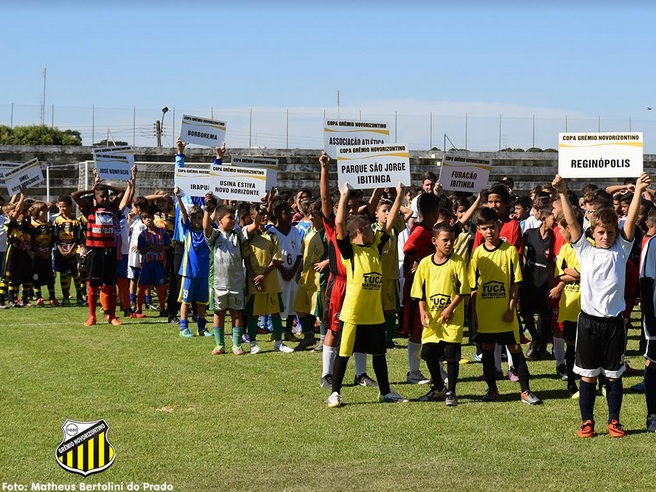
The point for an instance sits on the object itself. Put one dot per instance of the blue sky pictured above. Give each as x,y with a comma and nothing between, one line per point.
592,62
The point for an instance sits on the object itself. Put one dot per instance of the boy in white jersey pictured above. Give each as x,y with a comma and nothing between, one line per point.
601,337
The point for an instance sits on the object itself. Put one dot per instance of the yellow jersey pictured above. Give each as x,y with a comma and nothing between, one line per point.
570,297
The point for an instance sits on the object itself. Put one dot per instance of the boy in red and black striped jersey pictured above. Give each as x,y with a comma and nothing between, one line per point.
100,212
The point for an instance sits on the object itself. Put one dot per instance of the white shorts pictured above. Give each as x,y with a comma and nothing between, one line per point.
229,301
288,297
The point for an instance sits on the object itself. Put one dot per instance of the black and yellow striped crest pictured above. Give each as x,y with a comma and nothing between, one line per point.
85,449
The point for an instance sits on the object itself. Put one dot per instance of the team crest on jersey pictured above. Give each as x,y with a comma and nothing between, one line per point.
372,281
439,302
493,290
85,449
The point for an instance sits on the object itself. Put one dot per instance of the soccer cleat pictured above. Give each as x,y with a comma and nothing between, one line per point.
318,348
491,395
433,395
255,348
334,400
587,429
290,337
512,375
365,380
615,429
561,372
477,358
39,302
53,302
115,321
529,398
281,347
66,301
450,399
205,333
138,314
218,350
326,381
174,320
91,321
163,314
392,397
245,338
186,333
639,387
307,342
576,395
152,307
651,422
237,351
572,388
416,377
3,306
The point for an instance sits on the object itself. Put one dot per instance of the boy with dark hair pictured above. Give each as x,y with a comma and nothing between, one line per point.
361,319
67,239
494,276
440,285
100,212
537,273
601,337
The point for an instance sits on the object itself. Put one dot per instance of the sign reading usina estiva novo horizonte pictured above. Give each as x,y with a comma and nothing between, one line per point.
600,155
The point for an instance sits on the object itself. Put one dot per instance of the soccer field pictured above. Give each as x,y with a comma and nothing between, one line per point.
198,422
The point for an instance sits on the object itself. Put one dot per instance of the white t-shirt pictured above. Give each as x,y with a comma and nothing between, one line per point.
603,276
228,262
136,228
3,234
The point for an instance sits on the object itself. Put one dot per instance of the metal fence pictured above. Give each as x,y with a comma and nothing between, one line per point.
303,128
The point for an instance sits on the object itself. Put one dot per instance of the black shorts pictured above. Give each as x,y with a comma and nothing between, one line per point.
101,266
533,300
366,339
569,331
43,274
66,264
18,266
503,338
432,351
600,345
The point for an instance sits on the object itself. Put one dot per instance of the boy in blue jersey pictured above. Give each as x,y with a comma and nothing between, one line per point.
194,268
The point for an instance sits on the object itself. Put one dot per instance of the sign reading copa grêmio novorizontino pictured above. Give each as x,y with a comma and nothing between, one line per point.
600,155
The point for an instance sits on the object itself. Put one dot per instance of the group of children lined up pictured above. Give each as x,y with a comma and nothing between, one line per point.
348,266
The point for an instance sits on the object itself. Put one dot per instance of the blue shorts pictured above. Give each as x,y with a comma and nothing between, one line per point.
153,273
194,290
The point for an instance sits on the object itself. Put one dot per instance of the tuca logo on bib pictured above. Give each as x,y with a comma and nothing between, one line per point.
85,449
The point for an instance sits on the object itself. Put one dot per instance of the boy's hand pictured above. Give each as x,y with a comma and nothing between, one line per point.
220,151
324,159
559,184
180,145
399,189
176,191
344,190
425,320
447,314
437,189
642,183
508,315
555,292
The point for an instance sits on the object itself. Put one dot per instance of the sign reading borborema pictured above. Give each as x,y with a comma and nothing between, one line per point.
600,155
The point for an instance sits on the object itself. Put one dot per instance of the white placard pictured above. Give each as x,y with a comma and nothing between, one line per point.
192,181
464,173
259,162
24,176
600,155
201,131
113,167
125,151
246,184
353,133
374,166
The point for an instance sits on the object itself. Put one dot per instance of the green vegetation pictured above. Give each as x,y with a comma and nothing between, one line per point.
202,423
38,135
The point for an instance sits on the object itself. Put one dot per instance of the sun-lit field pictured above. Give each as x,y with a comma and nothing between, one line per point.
200,422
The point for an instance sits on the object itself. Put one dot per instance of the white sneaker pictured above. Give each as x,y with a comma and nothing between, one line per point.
281,347
255,348
392,397
416,377
334,400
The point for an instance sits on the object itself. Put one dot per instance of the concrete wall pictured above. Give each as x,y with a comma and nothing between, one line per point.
298,168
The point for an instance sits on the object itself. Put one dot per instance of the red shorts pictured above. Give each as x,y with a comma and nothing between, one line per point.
335,292
411,320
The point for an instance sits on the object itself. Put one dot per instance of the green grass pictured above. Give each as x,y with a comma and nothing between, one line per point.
203,422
